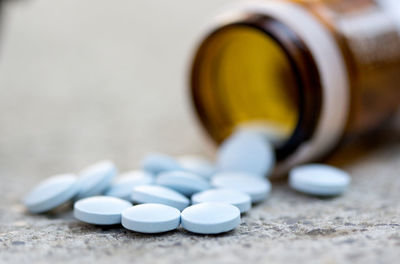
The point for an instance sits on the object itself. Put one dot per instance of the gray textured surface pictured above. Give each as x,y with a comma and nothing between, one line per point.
86,80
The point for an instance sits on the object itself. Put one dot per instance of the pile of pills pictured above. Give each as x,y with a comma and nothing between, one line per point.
191,192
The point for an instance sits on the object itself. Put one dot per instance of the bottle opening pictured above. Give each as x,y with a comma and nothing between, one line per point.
243,77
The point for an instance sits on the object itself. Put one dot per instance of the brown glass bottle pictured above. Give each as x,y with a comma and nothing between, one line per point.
307,73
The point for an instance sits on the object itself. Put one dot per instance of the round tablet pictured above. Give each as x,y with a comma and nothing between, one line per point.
159,194
95,179
246,151
185,183
122,186
258,188
318,179
151,218
100,210
197,165
210,218
239,199
157,163
51,193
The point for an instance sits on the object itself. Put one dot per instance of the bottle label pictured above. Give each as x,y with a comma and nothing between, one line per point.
392,8
369,34
372,35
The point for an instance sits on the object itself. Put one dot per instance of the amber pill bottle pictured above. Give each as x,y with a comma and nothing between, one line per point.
307,73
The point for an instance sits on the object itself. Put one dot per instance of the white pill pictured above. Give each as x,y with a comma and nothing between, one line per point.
210,218
185,183
95,179
239,199
122,186
318,179
100,210
51,193
197,165
151,218
258,188
157,163
159,194
246,151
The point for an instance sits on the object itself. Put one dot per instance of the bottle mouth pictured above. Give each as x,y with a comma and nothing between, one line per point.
256,73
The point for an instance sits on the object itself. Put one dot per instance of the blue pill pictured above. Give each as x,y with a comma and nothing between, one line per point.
197,165
159,194
157,163
122,186
247,151
318,179
210,218
52,193
151,218
100,210
95,179
258,188
183,182
239,199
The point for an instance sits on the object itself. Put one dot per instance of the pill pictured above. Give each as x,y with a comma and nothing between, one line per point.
151,218
197,165
95,179
210,218
100,210
183,182
239,199
122,186
246,151
318,179
157,163
159,194
258,188
51,193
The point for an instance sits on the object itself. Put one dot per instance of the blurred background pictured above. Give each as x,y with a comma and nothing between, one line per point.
87,80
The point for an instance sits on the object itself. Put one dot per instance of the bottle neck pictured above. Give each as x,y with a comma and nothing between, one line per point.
309,90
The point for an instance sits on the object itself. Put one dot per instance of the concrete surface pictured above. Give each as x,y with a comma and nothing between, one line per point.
82,81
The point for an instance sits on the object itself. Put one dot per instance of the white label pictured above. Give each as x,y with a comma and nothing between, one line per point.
372,35
392,8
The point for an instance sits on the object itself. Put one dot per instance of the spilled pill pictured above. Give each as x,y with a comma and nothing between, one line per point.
183,182
151,218
51,193
256,187
197,165
239,199
157,163
162,188
210,218
246,151
100,210
95,179
122,186
318,179
159,194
